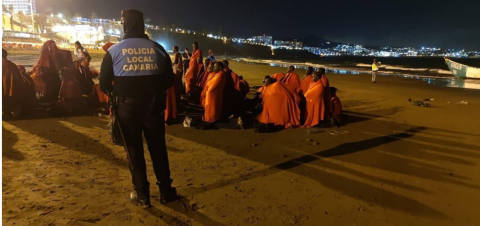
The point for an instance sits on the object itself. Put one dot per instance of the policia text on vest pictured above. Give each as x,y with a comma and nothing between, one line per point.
140,62
137,57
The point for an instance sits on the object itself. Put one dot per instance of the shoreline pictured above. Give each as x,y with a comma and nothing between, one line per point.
447,81
438,80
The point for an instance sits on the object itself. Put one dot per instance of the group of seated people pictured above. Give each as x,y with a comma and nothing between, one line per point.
283,101
65,85
210,84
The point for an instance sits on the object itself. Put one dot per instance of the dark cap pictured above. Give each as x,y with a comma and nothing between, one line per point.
131,13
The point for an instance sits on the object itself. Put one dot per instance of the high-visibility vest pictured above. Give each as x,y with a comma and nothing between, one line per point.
374,67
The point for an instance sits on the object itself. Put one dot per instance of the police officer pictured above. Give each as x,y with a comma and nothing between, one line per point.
141,71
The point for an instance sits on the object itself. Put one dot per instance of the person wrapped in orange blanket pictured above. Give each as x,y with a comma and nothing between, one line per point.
327,99
228,71
255,104
45,73
171,106
28,82
197,91
209,74
192,72
213,91
70,93
98,97
291,79
315,108
307,79
337,115
16,92
244,87
277,76
174,92
84,77
107,46
200,68
202,78
232,103
280,105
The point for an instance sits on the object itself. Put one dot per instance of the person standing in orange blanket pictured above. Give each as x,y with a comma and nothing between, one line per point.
174,92
213,99
192,72
210,73
315,109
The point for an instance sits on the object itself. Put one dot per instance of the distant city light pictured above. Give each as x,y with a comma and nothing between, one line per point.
89,31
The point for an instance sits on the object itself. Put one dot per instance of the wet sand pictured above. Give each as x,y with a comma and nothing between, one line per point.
399,164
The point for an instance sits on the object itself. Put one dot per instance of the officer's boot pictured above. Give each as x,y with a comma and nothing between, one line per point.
168,195
143,202
167,192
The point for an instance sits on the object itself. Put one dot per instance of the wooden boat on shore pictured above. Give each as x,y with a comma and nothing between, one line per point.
461,70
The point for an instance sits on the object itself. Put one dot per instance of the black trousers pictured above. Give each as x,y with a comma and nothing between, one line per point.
136,116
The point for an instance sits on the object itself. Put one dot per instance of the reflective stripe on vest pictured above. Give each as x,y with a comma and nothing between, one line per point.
374,67
137,57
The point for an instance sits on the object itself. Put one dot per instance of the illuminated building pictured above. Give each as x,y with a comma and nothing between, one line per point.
86,34
280,44
86,31
261,40
21,5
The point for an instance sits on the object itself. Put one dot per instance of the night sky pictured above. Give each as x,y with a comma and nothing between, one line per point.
415,23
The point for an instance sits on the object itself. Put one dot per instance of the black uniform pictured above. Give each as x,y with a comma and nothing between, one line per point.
142,71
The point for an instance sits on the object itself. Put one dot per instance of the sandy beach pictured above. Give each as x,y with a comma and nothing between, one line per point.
394,164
